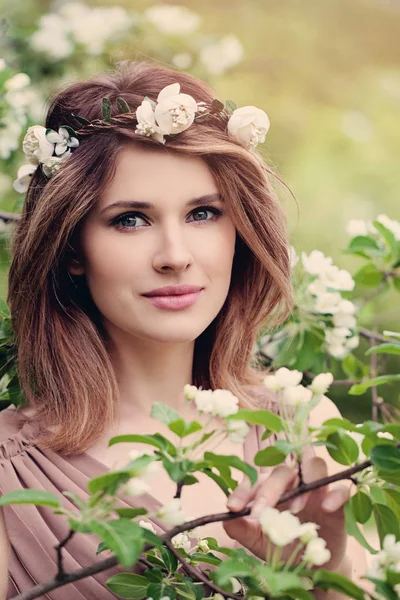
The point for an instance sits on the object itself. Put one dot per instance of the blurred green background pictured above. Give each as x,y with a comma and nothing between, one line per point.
327,72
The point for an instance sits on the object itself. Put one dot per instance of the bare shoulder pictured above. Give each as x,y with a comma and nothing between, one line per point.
324,410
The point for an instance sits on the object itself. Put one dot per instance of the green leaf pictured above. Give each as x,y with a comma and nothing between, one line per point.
231,567
164,413
386,521
156,440
353,367
308,351
178,470
388,236
384,349
106,109
128,585
361,388
80,119
346,452
383,589
234,462
269,457
156,591
363,243
386,457
182,428
170,561
217,106
369,275
329,580
230,106
123,106
392,499
268,419
31,496
122,536
396,280
353,529
208,558
4,310
362,507
130,513
218,480
109,481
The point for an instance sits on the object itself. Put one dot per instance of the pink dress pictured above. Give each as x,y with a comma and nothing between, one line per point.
34,531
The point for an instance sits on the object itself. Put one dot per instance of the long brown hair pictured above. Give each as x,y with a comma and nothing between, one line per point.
63,364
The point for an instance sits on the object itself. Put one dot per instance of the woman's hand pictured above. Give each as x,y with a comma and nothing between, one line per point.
323,506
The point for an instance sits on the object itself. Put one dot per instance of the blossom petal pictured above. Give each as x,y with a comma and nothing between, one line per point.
170,90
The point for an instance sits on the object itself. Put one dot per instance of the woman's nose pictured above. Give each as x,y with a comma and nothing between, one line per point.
173,252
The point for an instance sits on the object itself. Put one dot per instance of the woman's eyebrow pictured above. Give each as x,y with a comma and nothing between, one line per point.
143,205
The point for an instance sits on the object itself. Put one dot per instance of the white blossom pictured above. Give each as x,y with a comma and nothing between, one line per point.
173,20
24,176
316,552
338,279
149,470
63,140
183,60
341,319
316,288
204,401
172,513
392,548
248,125
321,383
316,262
189,391
280,527
347,307
356,227
174,111
181,540
17,82
391,224
52,164
147,125
136,487
147,525
36,146
237,431
225,403
327,302
220,56
337,335
296,395
308,532
203,546
52,37
283,378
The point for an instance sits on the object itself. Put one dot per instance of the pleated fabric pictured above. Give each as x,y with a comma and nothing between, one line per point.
34,531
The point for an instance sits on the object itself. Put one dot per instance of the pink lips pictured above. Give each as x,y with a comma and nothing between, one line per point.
174,297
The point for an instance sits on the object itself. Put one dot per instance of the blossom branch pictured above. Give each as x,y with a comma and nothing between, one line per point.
112,561
198,575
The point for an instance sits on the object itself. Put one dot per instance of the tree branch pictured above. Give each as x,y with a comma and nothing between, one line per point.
110,562
197,574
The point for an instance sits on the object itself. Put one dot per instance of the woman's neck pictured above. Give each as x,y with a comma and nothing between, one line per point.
150,372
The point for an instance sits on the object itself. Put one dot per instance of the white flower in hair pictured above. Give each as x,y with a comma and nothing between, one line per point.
248,125
24,175
147,125
36,146
63,140
174,111
52,164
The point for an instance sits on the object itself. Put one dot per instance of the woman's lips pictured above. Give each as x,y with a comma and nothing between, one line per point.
174,302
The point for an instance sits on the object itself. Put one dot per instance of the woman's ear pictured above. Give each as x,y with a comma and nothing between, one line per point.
75,267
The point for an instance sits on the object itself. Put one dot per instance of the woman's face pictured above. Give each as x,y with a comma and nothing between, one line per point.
159,223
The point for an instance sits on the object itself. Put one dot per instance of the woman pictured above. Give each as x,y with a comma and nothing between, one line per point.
129,219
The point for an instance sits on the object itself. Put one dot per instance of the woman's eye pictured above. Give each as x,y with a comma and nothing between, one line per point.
128,221
200,214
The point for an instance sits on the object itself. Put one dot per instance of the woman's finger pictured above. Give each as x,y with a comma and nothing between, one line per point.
272,489
312,469
336,498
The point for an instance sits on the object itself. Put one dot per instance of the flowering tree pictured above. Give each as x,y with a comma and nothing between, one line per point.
178,564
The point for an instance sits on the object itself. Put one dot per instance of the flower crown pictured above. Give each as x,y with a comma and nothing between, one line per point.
171,114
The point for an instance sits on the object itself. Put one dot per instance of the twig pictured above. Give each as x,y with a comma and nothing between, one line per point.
9,217
372,335
374,390
112,561
197,574
58,548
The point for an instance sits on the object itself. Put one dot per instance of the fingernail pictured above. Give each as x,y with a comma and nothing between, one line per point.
234,503
297,505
